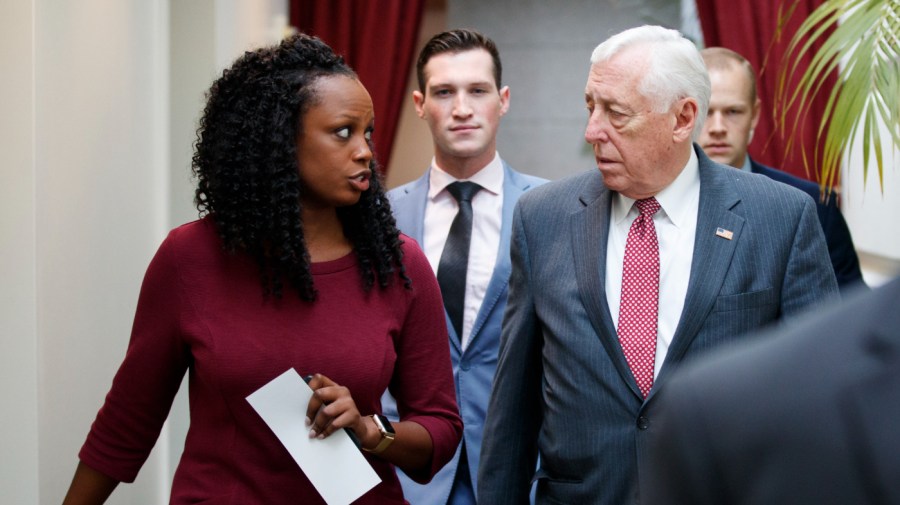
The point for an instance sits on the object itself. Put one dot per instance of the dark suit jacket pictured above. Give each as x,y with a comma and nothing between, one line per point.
807,416
473,368
563,387
837,234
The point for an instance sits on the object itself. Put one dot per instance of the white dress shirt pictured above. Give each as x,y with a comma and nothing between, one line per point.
487,216
747,167
676,227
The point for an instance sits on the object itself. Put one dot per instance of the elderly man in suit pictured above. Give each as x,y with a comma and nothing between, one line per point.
734,109
620,276
461,99
806,416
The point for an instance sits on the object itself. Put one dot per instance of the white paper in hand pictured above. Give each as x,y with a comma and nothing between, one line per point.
339,472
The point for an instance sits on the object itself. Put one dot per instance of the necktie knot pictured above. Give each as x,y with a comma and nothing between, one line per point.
463,191
648,206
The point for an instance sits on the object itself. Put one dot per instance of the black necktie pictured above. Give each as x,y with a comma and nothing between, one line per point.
454,262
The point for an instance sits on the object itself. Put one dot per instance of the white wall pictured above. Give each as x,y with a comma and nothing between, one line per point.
192,68
871,212
101,205
18,320
91,178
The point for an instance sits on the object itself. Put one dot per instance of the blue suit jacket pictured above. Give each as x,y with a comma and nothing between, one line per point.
837,234
473,369
563,388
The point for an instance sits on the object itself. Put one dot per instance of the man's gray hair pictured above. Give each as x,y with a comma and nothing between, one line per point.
674,68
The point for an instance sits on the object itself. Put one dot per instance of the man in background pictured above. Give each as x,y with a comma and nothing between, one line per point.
734,109
460,211
806,416
621,274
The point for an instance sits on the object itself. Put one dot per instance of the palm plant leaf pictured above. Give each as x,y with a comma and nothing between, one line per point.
861,40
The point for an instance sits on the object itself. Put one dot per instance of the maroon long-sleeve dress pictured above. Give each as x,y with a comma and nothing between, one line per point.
202,311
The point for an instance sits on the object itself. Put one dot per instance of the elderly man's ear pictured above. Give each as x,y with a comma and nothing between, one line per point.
685,118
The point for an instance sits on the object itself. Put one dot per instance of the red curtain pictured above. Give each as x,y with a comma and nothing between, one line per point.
752,29
377,39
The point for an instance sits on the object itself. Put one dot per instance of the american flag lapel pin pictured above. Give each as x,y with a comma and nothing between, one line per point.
726,234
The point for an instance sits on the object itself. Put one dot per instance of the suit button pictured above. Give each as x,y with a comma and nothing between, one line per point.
643,423
465,365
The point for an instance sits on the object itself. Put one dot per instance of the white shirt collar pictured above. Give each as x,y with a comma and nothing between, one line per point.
489,178
746,167
673,198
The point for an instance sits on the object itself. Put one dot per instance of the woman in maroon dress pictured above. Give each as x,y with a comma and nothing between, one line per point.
294,263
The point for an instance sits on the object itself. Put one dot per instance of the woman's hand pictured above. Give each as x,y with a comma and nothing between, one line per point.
332,408
89,486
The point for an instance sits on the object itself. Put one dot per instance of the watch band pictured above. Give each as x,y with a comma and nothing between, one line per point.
387,434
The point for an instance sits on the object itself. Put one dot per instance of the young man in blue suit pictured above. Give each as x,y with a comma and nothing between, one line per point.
461,99
620,276
734,109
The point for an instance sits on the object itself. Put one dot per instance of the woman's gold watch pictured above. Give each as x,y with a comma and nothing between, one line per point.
387,433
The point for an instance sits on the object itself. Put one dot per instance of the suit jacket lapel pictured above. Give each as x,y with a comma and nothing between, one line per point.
513,187
589,230
712,257
409,207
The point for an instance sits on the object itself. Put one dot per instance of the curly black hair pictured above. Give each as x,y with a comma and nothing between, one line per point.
245,162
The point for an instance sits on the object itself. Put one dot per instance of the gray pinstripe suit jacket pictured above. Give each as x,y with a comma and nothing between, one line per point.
563,387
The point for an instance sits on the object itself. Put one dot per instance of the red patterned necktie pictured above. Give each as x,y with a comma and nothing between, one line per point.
639,306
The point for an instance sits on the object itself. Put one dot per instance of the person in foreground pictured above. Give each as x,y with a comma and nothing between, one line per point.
462,101
296,263
734,109
806,416
620,276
